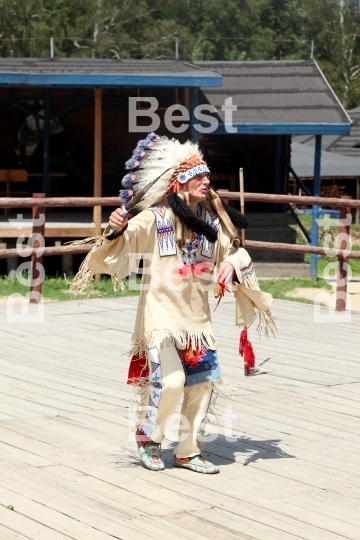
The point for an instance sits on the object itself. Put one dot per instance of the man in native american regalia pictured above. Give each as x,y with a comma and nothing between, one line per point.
182,231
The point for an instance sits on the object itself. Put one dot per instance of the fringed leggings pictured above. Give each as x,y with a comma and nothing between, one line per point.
167,383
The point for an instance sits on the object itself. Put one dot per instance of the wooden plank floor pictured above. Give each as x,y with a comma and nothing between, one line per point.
289,471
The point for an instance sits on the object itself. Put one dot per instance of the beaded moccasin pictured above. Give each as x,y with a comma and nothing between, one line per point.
196,464
150,452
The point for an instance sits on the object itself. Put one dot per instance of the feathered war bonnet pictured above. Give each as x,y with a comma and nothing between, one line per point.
159,169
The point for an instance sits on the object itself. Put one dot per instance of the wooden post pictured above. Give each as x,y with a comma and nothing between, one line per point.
97,163
37,213
194,101
66,262
344,230
46,141
277,170
97,158
242,202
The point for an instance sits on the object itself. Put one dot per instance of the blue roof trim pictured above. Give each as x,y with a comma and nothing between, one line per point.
285,129
109,80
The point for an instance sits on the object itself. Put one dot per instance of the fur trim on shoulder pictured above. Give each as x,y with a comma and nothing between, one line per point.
186,216
236,217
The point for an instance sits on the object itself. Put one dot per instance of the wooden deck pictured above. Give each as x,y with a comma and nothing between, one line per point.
70,469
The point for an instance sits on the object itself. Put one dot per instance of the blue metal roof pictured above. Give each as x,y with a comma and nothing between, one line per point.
302,128
87,72
345,146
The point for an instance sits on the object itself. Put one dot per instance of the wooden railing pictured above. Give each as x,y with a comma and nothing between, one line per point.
38,202
29,202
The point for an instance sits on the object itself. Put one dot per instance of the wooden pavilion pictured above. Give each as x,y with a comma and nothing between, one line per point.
87,101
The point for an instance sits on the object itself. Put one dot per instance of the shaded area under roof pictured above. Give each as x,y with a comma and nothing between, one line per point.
80,72
332,165
348,145
284,97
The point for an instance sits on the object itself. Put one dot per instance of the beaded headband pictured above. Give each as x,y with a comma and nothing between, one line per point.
190,173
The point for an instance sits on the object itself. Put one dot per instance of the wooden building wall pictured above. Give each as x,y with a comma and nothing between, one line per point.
254,153
224,153
77,138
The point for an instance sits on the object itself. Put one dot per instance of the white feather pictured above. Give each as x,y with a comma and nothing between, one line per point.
167,154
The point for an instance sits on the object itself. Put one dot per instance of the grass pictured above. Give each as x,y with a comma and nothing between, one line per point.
280,287
333,231
57,289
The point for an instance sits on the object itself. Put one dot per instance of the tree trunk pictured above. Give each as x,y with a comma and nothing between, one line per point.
96,26
344,53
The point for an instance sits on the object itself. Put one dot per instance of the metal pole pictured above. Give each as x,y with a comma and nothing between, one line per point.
46,142
315,208
176,49
52,48
312,50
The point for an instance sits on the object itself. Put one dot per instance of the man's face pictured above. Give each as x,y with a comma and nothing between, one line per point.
198,187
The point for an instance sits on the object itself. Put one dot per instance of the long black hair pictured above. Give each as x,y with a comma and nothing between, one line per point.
199,226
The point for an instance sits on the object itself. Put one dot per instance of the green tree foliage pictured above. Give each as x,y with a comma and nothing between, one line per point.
218,30
87,28
335,27
204,29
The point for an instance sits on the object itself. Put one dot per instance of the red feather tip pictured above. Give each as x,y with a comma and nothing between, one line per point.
246,351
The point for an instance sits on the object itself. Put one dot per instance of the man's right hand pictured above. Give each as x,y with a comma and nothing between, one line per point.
117,221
